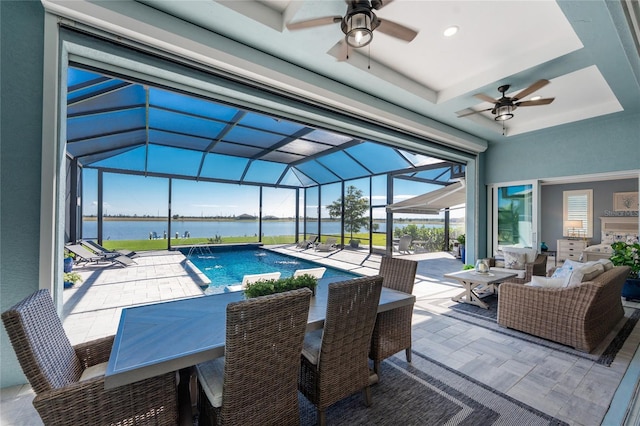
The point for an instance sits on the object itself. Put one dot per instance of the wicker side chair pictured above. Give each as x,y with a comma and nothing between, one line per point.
69,380
335,361
255,383
392,332
537,267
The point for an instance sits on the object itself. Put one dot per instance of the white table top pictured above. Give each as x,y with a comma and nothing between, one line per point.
159,338
492,277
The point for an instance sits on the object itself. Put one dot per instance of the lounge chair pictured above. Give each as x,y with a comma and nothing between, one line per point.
253,278
84,255
314,272
404,244
328,245
100,250
307,243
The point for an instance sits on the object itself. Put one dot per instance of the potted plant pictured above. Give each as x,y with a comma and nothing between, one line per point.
628,254
68,261
70,278
461,240
263,288
354,243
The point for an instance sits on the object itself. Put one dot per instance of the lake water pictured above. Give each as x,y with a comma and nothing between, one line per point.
140,229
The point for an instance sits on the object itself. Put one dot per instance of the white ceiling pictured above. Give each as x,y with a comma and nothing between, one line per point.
581,47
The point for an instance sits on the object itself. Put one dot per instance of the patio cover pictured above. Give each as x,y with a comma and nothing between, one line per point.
432,202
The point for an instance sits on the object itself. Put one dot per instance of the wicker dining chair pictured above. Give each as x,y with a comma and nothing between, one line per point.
335,360
255,383
69,380
392,332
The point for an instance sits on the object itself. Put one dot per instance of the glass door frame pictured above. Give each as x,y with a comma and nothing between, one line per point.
492,213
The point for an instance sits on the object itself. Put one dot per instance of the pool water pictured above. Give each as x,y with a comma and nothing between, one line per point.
229,265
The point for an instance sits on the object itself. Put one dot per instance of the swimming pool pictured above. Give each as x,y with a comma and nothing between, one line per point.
228,265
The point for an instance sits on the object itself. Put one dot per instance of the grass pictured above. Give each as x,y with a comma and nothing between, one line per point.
162,244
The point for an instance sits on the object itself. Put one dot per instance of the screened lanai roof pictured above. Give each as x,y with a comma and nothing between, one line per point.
124,126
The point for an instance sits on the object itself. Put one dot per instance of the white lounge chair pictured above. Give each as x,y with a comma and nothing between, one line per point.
328,245
253,278
404,244
307,243
314,272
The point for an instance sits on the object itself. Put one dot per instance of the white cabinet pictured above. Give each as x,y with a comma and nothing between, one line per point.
571,249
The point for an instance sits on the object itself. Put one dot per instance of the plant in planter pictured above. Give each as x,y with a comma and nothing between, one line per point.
355,243
263,288
628,255
71,278
461,240
68,261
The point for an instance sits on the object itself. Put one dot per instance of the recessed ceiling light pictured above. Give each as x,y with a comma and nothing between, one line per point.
450,31
535,98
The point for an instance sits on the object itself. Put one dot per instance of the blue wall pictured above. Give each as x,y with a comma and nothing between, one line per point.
590,146
21,59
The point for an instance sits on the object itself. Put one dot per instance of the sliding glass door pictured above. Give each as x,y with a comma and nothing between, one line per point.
513,215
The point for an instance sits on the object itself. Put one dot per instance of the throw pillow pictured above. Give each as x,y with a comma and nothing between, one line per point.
584,273
546,282
514,260
530,253
564,272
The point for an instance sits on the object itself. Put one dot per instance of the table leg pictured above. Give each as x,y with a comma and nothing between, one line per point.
469,296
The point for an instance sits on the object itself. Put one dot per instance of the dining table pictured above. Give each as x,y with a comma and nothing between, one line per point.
162,337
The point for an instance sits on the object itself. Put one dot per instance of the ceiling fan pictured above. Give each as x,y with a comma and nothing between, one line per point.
359,23
504,106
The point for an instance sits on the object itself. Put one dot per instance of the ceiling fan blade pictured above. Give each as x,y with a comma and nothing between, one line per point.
313,22
474,112
379,4
396,30
545,101
485,98
529,90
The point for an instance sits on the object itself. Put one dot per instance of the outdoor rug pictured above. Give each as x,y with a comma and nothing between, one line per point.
427,392
604,354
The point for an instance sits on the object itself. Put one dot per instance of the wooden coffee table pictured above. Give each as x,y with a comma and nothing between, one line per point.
471,280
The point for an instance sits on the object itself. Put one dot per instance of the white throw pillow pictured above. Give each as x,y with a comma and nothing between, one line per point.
545,282
586,273
564,272
514,260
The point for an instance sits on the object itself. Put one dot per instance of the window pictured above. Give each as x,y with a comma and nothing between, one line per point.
577,206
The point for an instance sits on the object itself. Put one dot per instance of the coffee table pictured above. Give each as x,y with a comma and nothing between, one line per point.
471,280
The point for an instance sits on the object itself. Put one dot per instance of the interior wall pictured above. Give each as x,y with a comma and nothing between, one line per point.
21,56
551,198
599,145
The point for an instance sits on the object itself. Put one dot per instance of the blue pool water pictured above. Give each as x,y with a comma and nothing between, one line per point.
227,266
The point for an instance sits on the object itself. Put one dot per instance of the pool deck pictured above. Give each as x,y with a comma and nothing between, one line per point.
92,309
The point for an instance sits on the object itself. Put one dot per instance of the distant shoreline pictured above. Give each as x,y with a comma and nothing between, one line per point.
234,219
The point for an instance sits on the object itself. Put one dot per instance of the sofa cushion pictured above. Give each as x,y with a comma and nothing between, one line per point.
514,260
563,272
529,252
606,263
546,282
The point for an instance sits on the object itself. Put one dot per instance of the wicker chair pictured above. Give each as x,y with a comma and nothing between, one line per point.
256,381
69,380
392,332
537,267
335,360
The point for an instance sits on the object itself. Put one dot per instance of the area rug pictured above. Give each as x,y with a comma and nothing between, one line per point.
604,354
426,392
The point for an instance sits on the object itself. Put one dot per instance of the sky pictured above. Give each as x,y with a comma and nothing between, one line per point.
148,196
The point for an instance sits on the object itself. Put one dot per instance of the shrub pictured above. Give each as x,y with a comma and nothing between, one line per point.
263,288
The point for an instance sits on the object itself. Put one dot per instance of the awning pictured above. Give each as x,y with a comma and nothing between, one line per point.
432,202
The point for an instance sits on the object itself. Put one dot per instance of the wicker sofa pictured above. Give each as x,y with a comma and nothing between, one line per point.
579,316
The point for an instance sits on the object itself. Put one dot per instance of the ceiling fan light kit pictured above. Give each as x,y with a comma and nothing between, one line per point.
358,28
504,106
